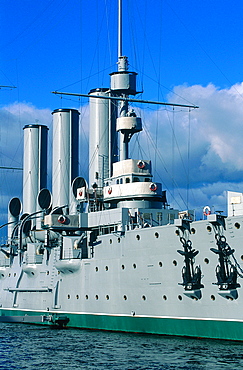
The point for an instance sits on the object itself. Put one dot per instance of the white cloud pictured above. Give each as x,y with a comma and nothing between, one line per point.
213,133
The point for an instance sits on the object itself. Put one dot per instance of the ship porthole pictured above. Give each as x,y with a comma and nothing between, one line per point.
175,263
107,297
241,257
237,225
209,229
164,298
206,260
193,231
156,235
125,297
213,297
177,232
138,237
180,297
144,298
77,296
68,296
97,269
134,266
118,240
86,297
110,241
106,268
123,267
160,264
96,297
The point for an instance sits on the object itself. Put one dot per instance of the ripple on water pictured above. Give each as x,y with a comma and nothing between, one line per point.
28,347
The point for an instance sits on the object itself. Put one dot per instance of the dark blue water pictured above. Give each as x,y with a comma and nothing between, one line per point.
36,347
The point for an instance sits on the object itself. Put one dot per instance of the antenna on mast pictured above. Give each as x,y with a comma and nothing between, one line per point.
119,28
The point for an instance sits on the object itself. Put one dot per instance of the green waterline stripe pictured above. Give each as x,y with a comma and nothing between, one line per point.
57,312
215,329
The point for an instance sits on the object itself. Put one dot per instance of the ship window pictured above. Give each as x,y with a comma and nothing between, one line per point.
127,180
96,297
107,297
2,275
86,297
144,298
237,225
121,181
47,272
135,179
213,297
77,296
147,179
160,264
138,237
209,229
106,268
241,257
134,266
110,241
107,184
97,269
177,232
206,260
125,297
156,235
68,296
119,240
175,263
15,274
123,267
164,298
193,231
180,297
9,274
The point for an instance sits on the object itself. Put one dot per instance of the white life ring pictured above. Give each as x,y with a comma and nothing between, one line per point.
61,219
141,164
153,187
206,211
109,190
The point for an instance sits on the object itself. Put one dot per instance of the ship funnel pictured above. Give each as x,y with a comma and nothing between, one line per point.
102,137
14,209
65,154
35,164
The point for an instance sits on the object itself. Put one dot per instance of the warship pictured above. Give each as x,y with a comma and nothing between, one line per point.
109,253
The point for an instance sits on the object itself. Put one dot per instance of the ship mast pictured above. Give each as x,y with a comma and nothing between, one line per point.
124,83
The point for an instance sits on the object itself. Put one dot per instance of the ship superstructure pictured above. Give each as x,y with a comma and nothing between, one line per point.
109,253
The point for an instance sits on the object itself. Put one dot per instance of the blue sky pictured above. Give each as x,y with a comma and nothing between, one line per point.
184,51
